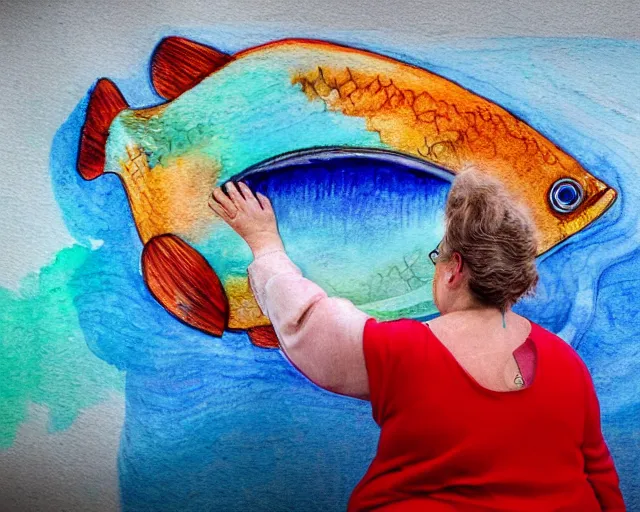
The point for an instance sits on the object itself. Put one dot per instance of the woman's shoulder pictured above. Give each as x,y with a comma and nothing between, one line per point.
559,350
392,328
554,341
393,337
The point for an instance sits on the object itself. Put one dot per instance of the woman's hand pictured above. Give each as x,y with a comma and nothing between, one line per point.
250,216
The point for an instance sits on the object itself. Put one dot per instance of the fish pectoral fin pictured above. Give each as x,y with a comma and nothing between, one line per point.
105,103
179,64
182,280
264,337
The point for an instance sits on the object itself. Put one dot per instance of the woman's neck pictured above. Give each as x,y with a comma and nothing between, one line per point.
481,314
466,302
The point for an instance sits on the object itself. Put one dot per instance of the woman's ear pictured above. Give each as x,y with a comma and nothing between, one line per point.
450,272
453,275
456,259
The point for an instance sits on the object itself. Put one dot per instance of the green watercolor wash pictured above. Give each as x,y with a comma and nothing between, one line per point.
43,355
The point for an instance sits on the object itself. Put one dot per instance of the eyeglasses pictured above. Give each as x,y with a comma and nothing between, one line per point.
433,255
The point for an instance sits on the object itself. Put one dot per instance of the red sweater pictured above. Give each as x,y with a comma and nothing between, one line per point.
449,444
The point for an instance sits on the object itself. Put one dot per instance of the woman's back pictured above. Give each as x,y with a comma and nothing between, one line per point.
449,443
452,435
487,346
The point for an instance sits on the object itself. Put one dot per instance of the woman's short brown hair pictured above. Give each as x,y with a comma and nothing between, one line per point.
495,237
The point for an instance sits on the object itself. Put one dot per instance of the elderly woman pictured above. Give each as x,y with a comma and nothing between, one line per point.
479,409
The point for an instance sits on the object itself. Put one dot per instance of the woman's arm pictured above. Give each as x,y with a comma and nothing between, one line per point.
321,336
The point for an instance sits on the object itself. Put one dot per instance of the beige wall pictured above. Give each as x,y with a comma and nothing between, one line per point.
50,54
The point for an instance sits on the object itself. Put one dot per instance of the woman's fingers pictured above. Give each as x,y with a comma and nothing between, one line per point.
221,198
218,209
265,203
249,197
249,216
241,209
235,195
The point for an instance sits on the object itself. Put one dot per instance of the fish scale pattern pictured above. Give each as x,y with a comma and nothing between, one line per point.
445,133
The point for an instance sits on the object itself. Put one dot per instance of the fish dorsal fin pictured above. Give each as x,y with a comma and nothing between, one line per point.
178,64
105,103
182,280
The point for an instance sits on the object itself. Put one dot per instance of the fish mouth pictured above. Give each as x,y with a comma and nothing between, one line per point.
360,223
594,208
410,163
600,202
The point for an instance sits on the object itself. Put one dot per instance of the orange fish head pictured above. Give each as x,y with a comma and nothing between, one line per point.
565,202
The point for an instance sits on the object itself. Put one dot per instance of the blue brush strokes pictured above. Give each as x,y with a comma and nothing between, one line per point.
359,223
220,425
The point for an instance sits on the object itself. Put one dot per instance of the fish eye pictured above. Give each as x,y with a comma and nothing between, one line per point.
566,195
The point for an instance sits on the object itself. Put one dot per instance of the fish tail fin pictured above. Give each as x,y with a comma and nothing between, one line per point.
105,103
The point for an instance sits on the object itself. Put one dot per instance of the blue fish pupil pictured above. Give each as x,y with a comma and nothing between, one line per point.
567,194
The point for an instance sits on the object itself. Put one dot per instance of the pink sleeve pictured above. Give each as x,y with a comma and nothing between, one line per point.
598,463
321,336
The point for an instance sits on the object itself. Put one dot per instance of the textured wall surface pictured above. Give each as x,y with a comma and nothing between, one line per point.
226,425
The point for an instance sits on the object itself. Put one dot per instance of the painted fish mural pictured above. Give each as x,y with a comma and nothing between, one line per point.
292,105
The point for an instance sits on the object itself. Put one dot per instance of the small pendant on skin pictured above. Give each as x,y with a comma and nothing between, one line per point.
518,381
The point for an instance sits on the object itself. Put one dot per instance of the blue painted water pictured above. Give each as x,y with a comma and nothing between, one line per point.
217,424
